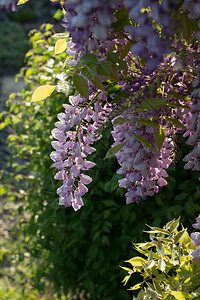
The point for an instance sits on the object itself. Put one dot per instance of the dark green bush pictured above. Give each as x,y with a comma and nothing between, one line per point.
14,44
79,251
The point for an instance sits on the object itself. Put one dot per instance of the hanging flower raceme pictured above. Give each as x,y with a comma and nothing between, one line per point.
74,134
195,236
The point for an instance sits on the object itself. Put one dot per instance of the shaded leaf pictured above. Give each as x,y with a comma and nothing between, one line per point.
104,68
148,123
176,123
81,85
89,59
142,140
114,150
120,121
178,96
152,103
159,137
97,83
89,72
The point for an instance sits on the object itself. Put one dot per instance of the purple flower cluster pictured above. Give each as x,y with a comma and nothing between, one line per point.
74,134
193,158
150,46
195,236
142,166
8,4
88,21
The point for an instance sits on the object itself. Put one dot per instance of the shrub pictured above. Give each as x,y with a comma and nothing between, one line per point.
77,251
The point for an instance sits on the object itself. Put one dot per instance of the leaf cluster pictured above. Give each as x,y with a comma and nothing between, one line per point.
166,268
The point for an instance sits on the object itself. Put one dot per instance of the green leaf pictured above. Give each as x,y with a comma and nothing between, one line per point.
89,72
126,50
60,46
113,57
159,137
177,105
121,121
104,68
122,20
114,150
109,203
114,74
152,103
42,92
148,122
142,140
157,286
122,65
89,59
178,96
161,265
81,85
181,295
136,261
97,83
176,123
160,249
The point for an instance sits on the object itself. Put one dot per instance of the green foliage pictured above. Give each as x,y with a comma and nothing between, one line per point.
14,44
77,251
167,271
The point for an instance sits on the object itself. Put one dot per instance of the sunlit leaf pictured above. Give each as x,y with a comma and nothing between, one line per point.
22,2
136,287
136,261
181,295
42,92
60,46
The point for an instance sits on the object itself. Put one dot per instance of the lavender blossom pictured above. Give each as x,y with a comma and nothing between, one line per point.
74,134
89,22
195,236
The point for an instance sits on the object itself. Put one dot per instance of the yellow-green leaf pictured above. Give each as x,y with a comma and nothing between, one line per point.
136,287
60,46
136,261
22,2
181,295
126,279
42,92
